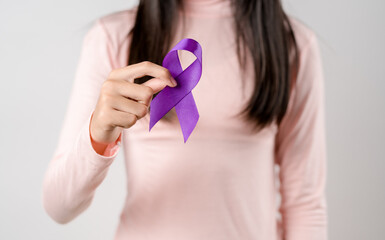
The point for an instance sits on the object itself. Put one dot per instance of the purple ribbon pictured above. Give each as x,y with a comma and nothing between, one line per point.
180,96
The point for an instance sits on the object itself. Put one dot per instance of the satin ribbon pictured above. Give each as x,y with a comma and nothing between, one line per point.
180,96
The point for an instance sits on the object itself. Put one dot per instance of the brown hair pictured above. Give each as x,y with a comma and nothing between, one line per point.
262,28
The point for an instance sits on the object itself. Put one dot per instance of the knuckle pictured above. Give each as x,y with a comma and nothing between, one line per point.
112,73
146,64
166,73
105,100
147,92
128,68
107,86
131,120
143,111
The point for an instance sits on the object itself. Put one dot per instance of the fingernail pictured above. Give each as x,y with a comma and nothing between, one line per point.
174,81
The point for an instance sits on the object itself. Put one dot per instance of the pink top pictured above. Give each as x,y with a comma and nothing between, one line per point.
221,184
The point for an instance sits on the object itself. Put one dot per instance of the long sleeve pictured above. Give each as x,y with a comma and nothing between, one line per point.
301,152
76,169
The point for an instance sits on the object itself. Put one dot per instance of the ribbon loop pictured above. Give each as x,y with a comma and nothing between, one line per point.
180,96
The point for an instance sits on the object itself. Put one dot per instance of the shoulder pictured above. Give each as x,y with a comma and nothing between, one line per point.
310,76
304,35
117,25
109,34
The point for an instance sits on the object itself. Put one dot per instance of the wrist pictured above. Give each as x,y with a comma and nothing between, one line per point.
103,148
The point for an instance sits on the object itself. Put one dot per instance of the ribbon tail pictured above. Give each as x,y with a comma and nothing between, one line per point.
188,115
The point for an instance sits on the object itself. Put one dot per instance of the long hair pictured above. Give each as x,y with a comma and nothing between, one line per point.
262,28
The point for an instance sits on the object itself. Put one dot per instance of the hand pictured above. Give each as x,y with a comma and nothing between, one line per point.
122,102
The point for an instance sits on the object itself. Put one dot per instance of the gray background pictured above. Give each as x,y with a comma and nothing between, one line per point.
39,47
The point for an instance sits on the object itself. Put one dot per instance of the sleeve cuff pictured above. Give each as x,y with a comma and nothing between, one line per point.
109,149
85,145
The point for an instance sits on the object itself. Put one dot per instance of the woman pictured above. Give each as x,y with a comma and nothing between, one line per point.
260,101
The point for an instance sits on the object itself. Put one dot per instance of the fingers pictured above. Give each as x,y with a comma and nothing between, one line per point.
145,68
156,84
127,101
123,119
130,106
138,92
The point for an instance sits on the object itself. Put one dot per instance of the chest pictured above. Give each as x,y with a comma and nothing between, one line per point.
222,92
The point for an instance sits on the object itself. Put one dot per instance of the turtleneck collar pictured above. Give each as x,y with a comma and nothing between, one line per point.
208,8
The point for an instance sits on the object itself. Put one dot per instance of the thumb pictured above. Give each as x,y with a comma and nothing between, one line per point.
158,84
